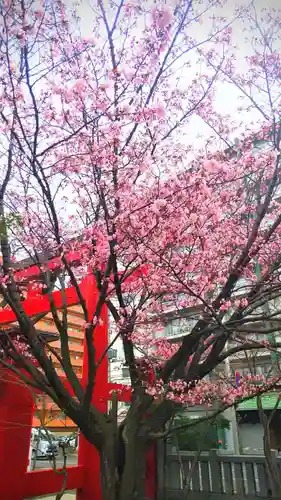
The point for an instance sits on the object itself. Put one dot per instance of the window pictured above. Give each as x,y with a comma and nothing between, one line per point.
112,353
180,326
244,371
265,370
259,337
125,372
75,341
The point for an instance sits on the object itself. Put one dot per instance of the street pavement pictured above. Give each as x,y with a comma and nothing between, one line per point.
45,464
66,496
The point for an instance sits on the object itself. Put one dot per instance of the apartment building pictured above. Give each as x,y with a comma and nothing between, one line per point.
47,411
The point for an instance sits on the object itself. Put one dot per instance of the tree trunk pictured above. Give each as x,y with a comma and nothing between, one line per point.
108,471
272,467
133,479
123,470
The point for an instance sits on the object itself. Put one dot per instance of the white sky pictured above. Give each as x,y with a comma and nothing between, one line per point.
228,97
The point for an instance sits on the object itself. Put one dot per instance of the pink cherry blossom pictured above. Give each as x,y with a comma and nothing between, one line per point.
118,162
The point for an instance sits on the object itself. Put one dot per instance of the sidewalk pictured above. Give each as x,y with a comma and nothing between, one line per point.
66,496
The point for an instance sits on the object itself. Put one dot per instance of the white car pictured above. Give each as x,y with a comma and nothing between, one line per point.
70,441
42,445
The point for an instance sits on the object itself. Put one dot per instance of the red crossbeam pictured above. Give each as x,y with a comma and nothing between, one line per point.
41,304
33,271
43,482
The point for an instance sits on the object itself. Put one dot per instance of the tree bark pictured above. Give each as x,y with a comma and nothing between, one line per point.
133,479
270,457
108,471
123,469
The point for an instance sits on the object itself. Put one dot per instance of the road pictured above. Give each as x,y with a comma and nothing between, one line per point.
45,464
66,496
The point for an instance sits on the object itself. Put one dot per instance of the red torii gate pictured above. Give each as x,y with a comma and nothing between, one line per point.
17,408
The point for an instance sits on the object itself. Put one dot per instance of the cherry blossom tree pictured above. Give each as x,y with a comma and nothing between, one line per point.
99,156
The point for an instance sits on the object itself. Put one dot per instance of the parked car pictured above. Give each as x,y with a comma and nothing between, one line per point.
44,449
43,445
70,441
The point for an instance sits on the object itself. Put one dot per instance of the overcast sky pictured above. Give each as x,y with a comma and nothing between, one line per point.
228,97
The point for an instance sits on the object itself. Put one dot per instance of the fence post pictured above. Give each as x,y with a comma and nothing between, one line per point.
16,411
215,472
160,471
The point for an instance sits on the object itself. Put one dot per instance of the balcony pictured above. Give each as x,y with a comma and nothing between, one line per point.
179,327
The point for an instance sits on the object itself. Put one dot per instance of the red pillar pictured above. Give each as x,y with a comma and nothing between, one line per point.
87,454
151,473
16,411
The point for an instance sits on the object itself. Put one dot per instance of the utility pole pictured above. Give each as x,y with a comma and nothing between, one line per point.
230,413
266,309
